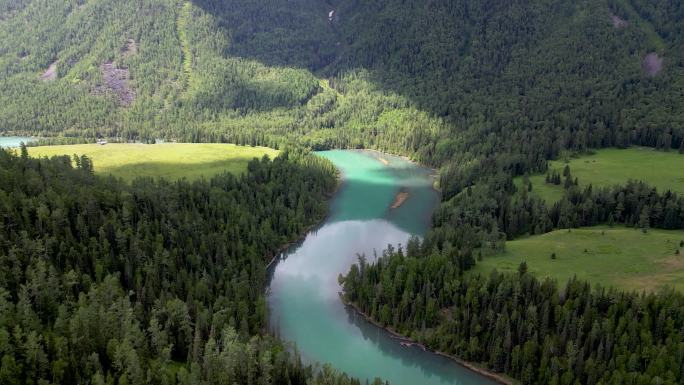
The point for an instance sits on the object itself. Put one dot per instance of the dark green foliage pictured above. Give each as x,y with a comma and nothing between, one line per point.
428,297
158,282
535,331
482,90
503,83
484,220
553,177
566,171
644,219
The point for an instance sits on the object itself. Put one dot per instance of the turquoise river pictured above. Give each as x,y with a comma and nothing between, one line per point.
304,304
14,141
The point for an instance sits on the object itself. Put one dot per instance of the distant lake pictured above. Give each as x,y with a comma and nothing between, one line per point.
14,141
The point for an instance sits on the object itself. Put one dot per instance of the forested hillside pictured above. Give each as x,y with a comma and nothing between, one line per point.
423,79
484,90
102,282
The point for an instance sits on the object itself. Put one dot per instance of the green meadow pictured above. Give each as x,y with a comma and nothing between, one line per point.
607,167
169,160
622,257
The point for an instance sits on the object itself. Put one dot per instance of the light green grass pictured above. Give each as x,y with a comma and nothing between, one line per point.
609,167
622,257
170,161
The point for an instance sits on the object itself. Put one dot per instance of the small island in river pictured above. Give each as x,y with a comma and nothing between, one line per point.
399,200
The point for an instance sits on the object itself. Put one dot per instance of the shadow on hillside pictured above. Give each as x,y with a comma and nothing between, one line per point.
295,33
479,62
302,34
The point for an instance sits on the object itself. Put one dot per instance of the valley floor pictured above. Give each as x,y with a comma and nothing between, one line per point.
608,167
622,257
169,160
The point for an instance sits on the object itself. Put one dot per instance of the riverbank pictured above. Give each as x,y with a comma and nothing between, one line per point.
408,342
303,302
386,162
300,238
308,229
434,173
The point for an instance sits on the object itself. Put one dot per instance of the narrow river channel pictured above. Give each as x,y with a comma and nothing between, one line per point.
304,304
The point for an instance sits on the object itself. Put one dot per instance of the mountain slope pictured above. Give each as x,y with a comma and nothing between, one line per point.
250,71
483,89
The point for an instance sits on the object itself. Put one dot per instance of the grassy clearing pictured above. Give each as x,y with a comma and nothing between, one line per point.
170,161
622,257
614,166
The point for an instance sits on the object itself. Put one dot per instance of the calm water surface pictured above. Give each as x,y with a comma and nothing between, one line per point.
14,141
304,302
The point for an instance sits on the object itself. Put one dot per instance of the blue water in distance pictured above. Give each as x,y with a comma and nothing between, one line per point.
14,141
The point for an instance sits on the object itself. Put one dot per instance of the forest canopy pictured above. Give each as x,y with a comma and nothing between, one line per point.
485,91
102,282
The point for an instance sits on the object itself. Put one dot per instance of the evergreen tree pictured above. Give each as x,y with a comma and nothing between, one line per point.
152,282
535,331
644,219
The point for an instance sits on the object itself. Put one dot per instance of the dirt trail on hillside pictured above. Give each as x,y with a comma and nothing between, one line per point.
50,74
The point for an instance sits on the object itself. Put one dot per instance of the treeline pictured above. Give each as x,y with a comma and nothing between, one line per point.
449,84
478,221
635,204
537,332
156,282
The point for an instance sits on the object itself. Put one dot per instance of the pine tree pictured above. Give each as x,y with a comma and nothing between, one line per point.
644,219
24,151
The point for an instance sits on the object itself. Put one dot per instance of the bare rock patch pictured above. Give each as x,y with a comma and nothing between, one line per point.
116,82
50,74
652,64
617,21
